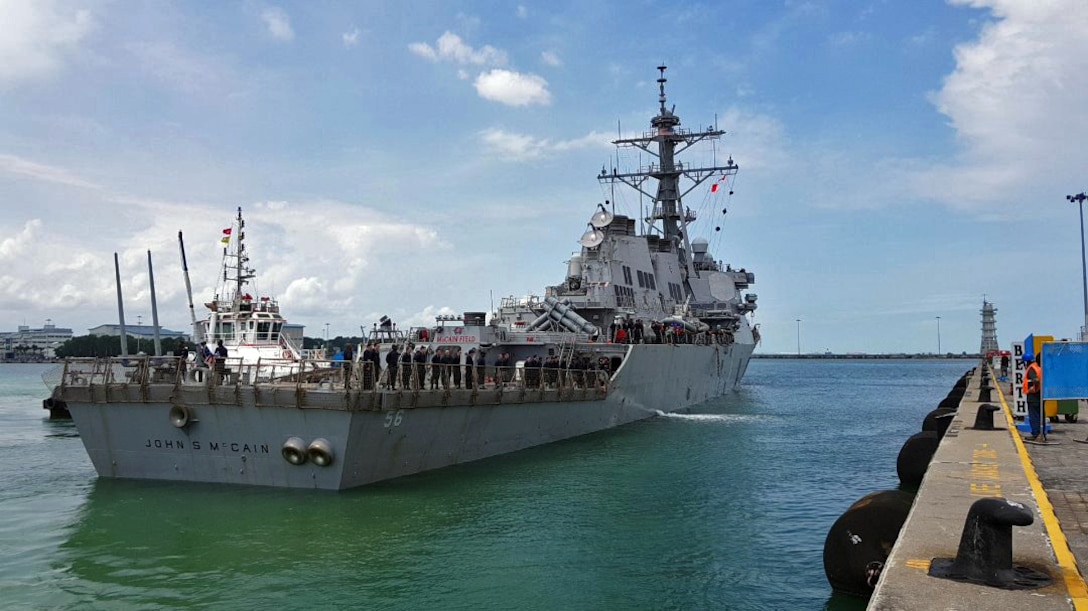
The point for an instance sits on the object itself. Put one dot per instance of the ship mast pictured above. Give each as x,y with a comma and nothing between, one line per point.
668,200
242,273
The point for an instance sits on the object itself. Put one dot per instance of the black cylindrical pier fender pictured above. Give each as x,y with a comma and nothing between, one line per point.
915,455
985,552
858,544
950,403
938,420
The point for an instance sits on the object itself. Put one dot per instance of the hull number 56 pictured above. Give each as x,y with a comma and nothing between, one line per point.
393,419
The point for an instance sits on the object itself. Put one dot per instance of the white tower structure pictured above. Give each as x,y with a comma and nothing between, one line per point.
989,328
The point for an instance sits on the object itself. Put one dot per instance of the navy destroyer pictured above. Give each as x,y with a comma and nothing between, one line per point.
643,322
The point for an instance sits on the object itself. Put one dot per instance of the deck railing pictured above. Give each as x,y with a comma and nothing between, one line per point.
324,375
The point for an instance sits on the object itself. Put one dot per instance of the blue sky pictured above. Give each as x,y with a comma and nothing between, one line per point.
898,160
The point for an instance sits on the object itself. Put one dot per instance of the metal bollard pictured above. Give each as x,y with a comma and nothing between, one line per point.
984,418
984,393
985,552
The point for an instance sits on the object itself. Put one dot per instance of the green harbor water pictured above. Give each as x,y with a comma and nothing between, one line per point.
723,508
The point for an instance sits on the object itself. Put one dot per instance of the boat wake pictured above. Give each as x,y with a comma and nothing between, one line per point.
710,417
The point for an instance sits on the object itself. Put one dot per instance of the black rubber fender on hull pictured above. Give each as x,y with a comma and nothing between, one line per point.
859,542
58,409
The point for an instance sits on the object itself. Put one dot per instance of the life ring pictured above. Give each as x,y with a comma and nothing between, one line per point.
195,375
287,354
294,451
320,452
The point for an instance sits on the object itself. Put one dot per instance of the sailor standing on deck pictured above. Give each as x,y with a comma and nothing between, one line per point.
454,361
376,364
220,360
1033,389
349,359
391,361
480,368
470,368
181,353
406,369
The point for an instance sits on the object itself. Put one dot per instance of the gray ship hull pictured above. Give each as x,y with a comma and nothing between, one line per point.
235,433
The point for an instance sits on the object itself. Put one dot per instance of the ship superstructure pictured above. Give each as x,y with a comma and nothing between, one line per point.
659,275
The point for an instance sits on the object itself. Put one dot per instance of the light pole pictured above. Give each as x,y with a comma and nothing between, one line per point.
1079,198
326,334
938,336
798,337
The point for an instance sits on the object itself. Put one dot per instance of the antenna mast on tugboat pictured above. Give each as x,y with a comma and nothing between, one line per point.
242,274
668,200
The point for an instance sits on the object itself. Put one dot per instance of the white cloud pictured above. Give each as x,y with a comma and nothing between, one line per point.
351,38
424,50
11,249
36,36
550,59
451,48
522,11
278,23
520,147
45,173
1016,101
513,88
513,146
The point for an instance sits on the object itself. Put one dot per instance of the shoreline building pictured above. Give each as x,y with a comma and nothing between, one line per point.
147,332
141,332
28,344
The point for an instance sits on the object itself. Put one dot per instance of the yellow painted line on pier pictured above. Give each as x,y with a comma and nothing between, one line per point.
1074,583
919,563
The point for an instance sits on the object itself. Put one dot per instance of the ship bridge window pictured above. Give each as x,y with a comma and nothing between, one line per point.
625,296
650,279
641,279
276,329
225,331
263,329
627,275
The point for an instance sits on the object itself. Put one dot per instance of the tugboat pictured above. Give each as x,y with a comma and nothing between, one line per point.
643,322
251,329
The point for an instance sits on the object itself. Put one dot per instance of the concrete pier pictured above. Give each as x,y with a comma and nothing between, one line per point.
970,464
